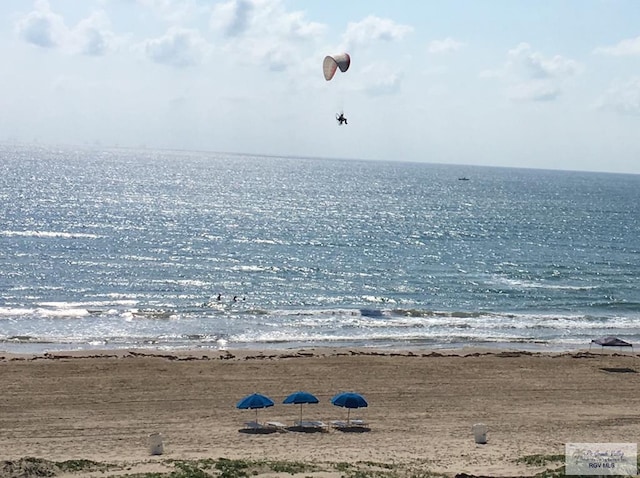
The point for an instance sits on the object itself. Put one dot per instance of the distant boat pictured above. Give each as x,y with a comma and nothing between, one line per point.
463,179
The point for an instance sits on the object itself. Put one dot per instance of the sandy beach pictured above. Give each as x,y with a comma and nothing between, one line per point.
422,406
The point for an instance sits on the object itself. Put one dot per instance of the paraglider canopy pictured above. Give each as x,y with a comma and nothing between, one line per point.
331,64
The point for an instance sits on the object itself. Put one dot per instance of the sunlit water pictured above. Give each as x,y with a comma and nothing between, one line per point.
115,249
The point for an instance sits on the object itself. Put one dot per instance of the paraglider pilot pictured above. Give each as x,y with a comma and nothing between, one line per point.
341,119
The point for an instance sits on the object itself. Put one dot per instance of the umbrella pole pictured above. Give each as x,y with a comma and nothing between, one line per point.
348,415
256,416
301,414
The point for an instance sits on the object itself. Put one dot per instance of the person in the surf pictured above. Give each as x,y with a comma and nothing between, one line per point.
341,119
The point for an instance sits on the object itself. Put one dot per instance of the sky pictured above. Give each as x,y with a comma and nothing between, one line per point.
551,84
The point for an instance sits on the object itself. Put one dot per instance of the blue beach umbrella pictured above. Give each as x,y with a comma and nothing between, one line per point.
301,398
349,400
255,401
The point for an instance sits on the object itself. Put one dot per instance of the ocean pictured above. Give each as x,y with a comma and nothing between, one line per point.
168,250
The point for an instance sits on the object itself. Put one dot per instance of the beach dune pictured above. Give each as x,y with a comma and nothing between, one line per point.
422,405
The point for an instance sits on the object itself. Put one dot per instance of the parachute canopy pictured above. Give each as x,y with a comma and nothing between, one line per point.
332,62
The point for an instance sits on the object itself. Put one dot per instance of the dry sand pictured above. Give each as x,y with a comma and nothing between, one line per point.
422,406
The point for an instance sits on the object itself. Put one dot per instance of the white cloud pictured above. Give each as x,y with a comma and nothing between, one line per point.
530,76
93,36
388,85
444,46
263,18
382,80
295,26
622,97
264,31
534,65
174,11
46,29
624,48
178,47
534,90
232,17
374,28
42,27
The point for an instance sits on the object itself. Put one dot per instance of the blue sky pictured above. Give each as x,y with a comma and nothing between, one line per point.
541,84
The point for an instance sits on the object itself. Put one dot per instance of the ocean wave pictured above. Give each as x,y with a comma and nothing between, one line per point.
527,284
155,314
618,305
49,234
284,337
253,268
